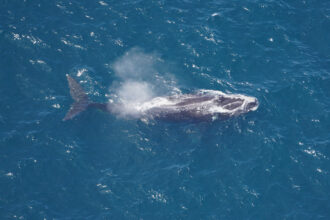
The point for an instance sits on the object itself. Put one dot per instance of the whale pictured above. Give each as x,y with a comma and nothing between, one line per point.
201,105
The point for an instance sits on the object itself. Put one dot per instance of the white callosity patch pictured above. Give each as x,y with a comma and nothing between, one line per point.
242,100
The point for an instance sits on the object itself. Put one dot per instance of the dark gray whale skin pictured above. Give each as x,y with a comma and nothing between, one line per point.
201,106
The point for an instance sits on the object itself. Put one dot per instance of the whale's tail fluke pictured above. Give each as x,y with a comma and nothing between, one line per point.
81,100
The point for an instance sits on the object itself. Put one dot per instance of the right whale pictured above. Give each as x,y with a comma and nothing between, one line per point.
203,105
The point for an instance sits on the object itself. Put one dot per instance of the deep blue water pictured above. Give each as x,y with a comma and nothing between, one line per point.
270,164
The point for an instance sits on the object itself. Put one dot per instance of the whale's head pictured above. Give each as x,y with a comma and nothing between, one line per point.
252,104
228,104
235,104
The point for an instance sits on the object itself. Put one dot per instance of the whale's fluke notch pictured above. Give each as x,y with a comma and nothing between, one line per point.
81,100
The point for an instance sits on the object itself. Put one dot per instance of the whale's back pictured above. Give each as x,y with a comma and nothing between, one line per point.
204,104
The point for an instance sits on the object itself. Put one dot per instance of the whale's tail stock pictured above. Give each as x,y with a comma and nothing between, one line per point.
81,100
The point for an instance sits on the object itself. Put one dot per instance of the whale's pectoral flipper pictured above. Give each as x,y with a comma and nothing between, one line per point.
81,100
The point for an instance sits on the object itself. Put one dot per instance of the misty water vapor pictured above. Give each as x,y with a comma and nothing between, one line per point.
135,64
139,81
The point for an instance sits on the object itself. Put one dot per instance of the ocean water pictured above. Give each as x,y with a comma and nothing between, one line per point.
273,163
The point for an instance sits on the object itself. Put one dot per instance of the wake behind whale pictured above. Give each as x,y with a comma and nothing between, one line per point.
203,105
